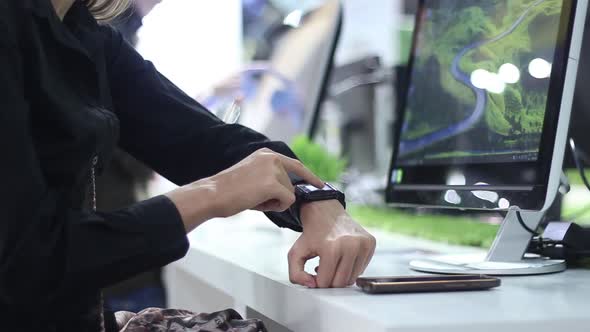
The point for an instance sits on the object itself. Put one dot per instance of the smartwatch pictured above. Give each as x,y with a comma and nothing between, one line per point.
306,193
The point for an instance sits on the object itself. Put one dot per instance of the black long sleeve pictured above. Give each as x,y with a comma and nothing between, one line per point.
47,248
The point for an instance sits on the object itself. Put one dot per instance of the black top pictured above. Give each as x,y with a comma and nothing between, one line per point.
71,91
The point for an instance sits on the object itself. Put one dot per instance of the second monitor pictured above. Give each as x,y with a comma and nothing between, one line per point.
484,122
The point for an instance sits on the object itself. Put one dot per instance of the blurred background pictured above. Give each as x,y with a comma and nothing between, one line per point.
277,57
321,75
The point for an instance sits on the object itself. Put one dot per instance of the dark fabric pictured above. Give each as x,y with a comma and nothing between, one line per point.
120,181
117,187
110,322
170,320
136,298
69,92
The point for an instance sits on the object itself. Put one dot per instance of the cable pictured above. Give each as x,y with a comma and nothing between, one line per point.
527,228
583,156
580,168
578,163
578,157
557,248
522,223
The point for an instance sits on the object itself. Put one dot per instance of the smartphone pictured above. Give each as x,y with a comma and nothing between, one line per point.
427,283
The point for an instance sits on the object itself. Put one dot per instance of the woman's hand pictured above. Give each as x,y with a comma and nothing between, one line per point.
258,182
344,247
261,182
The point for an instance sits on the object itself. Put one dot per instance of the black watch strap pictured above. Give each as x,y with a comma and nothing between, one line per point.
305,193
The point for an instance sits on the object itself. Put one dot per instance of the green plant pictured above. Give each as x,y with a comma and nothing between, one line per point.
324,164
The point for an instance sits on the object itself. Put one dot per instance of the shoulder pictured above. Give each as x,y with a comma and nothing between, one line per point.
109,32
117,49
112,41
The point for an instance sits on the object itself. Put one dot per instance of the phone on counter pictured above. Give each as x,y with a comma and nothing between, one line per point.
427,283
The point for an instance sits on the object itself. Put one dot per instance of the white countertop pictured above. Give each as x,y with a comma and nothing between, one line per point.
245,258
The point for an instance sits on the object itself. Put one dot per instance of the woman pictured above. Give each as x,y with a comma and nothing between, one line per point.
70,91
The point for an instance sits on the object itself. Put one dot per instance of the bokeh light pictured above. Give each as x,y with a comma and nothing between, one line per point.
509,73
540,68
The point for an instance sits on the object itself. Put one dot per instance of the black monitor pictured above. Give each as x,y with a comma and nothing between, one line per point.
484,120
480,117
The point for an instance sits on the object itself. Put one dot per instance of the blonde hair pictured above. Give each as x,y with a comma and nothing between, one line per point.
106,10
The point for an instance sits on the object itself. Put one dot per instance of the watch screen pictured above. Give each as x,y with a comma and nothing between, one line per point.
310,188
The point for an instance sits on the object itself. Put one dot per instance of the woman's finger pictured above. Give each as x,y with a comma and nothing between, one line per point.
296,167
344,270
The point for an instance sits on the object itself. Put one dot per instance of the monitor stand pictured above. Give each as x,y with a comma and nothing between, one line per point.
505,257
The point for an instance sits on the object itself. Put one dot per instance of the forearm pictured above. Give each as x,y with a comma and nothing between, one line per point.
196,202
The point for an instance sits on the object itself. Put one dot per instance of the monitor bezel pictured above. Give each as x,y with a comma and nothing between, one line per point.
315,117
529,195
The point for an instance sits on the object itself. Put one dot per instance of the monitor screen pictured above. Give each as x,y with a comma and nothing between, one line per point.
480,81
478,118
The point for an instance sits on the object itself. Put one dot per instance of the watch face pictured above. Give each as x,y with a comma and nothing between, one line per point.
309,188
309,193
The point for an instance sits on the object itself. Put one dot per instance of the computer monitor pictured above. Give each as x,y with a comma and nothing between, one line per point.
291,86
484,121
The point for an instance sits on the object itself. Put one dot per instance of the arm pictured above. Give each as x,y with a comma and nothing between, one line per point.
46,249
181,140
171,132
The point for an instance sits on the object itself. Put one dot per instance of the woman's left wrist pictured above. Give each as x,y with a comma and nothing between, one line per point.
308,210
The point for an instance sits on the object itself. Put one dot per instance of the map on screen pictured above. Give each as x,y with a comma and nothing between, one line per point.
479,81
